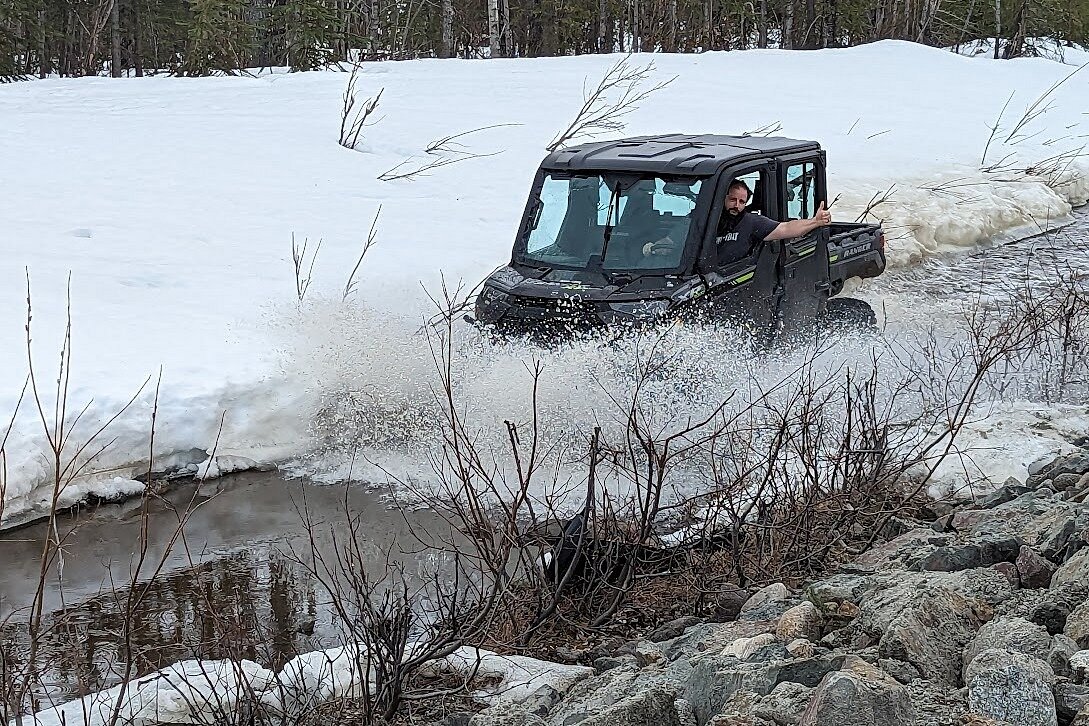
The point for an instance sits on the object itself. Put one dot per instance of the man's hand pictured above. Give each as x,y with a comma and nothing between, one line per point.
662,247
823,216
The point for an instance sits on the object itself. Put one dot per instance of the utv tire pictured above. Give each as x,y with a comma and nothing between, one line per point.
848,313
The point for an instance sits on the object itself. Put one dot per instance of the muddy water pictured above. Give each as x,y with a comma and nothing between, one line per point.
234,585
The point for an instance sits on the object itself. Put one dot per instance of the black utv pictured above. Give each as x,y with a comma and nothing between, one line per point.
581,255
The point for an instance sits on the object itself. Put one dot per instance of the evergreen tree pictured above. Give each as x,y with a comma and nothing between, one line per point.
218,37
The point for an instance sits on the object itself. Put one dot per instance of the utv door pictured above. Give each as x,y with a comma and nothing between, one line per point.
748,292
804,262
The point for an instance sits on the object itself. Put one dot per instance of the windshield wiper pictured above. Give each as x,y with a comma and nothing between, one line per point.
607,234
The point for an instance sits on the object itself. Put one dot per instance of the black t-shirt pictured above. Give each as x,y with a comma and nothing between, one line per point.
737,235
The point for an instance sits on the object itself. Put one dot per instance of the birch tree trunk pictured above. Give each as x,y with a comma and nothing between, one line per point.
763,23
493,28
788,26
997,26
115,39
446,49
505,34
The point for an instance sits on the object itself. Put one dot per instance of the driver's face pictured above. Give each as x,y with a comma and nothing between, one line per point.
736,200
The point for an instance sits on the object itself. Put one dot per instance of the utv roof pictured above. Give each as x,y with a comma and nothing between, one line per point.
671,153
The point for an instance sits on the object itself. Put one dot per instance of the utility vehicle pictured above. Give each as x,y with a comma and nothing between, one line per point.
580,256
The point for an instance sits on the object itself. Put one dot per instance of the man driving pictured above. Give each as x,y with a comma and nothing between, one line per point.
739,231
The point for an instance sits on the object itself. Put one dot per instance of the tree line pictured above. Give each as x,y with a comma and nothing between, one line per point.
200,37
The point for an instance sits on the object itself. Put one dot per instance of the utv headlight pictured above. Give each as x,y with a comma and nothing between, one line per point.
490,295
642,309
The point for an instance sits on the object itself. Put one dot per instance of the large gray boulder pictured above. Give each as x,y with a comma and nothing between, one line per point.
1077,625
1009,633
800,621
715,679
506,717
1058,657
768,603
784,706
1011,686
1070,698
654,706
859,695
1079,667
1075,570
1048,524
925,624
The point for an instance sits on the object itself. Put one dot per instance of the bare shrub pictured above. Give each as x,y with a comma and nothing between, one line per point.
354,111
617,94
304,268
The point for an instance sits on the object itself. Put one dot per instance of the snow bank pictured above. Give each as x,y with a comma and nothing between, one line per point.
172,203
191,691
517,677
202,692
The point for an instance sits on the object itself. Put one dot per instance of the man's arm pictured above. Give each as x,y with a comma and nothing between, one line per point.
801,227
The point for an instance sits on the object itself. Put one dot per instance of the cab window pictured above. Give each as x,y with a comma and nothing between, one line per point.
801,190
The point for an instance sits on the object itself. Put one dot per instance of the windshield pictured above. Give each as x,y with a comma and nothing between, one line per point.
632,223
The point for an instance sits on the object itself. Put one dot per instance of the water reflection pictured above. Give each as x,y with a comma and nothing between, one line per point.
242,592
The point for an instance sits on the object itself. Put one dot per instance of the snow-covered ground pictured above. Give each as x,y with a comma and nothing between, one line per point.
172,203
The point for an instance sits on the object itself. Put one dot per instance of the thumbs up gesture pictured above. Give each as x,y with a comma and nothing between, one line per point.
823,216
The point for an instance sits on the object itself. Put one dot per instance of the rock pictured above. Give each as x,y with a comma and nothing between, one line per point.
729,604
768,603
1045,524
898,669
1082,719
1034,571
950,559
458,718
801,648
608,662
1069,699
1066,481
909,547
800,621
1005,493
859,695
1077,625
685,714
1058,656
672,629
1049,608
1009,571
599,693
1074,570
653,706
738,710
506,717
943,523
1074,463
924,624
1009,633
1079,667
785,704
742,648
713,637
936,706
715,679
1011,686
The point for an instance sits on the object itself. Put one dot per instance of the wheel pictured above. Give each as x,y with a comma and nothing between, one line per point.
847,312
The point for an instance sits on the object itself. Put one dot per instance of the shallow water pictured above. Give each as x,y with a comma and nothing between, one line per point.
237,584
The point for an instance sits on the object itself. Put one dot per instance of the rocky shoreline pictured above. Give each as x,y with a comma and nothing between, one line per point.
979,617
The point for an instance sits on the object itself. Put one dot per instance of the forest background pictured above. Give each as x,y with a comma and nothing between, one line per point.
40,38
